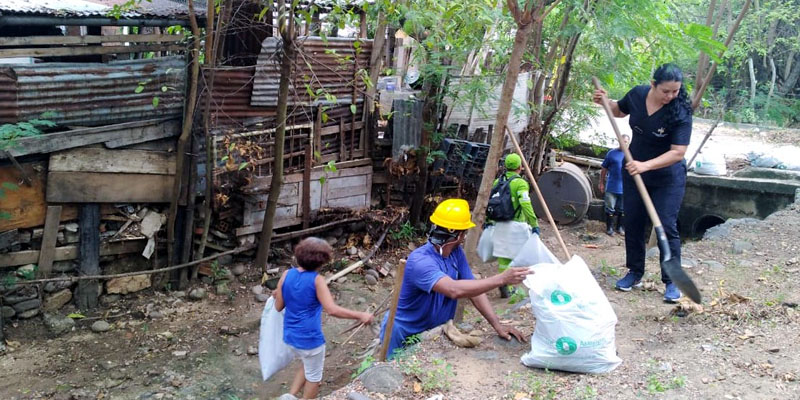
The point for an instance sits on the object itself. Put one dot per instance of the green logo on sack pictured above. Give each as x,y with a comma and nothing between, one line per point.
560,298
566,345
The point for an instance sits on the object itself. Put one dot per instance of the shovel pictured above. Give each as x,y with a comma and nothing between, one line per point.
671,266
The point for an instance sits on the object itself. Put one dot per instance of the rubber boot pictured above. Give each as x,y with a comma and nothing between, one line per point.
620,224
610,224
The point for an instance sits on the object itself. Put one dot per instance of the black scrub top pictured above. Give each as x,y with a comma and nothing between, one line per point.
652,136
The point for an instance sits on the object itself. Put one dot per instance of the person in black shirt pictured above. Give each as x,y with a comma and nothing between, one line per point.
661,125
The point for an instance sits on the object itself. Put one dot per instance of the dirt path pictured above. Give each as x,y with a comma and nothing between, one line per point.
743,347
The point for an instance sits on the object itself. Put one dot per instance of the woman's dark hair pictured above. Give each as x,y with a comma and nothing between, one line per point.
681,104
312,253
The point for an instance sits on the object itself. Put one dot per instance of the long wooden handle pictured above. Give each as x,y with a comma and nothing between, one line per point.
387,334
648,203
538,192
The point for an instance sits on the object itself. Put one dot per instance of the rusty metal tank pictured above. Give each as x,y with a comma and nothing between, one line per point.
567,192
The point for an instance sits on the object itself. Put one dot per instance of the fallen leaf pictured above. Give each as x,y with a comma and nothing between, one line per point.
417,387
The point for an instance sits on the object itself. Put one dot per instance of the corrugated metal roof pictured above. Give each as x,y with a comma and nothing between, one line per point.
333,65
99,8
93,94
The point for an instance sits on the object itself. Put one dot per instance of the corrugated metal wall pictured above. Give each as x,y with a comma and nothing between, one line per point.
93,94
335,66
483,114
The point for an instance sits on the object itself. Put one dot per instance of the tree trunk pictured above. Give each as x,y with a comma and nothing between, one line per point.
88,256
496,149
287,47
209,61
771,85
752,82
790,80
429,121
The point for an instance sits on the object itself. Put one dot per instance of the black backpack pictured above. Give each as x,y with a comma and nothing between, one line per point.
500,207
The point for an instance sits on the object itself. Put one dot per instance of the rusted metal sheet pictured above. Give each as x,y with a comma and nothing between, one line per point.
335,66
230,104
93,94
100,8
406,126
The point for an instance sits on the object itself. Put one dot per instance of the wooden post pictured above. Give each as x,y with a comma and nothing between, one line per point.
49,237
88,255
342,148
387,336
307,184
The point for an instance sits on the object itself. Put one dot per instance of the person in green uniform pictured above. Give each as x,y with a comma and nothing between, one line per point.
521,200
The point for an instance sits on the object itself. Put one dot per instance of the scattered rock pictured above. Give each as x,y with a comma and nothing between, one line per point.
51,287
27,305
511,344
465,327
180,353
741,246
262,298
226,259
707,347
257,289
197,294
431,334
373,273
222,289
665,367
370,280
156,315
179,294
382,378
252,350
58,325
20,297
64,266
351,251
652,252
109,299
714,265
688,263
28,314
361,300
57,300
357,396
128,284
100,326
7,312
331,240
238,269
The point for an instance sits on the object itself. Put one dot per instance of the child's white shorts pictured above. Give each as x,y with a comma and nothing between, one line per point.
313,362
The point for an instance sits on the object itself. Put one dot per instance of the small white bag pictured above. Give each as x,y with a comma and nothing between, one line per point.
273,353
574,320
486,245
509,237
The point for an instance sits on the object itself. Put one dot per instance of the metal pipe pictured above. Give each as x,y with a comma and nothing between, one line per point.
23,20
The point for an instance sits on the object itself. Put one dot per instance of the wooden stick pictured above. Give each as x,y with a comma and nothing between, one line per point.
538,192
387,336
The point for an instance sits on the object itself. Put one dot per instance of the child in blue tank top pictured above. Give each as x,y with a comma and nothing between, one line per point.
304,294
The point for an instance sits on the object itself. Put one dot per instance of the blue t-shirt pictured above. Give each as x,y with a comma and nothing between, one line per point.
613,162
653,136
419,308
302,321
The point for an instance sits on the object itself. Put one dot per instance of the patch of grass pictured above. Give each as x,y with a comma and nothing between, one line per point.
366,363
535,386
436,375
403,233
776,301
607,269
587,393
656,385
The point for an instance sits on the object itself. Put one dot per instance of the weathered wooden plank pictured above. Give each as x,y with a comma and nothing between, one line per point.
329,130
48,250
347,168
87,50
256,227
90,187
117,134
354,202
25,205
49,40
306,192
113,161
70,253
87,293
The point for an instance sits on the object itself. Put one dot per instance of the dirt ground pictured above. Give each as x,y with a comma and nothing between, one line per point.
743,345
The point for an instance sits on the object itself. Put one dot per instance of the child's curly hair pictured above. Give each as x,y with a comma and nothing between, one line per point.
312,253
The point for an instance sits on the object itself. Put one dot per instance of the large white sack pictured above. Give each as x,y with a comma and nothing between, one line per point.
533,252
486,245
273,353
574,320
509,237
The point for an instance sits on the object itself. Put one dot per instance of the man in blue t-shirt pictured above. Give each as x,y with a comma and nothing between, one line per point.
611,185
437,275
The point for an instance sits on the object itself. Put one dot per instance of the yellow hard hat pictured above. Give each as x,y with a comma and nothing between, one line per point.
453,214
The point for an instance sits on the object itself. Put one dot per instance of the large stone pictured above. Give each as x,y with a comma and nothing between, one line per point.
128,284
740,246
64,266
57,300
238,269
100,326
370,280
58,325
51,287
109,299
197,294
382,378
20,297
357,396
714,266
222,289
27,305
351,251
8,312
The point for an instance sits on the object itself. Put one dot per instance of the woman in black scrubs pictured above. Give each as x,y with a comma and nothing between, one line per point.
661,125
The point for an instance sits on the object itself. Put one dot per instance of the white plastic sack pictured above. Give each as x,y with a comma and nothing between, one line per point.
710,162
574,320
273,353
509,237
533,252
763,160
486,245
